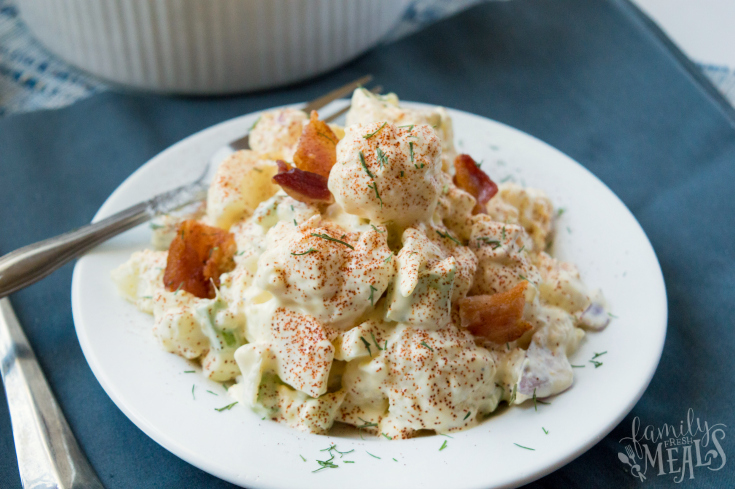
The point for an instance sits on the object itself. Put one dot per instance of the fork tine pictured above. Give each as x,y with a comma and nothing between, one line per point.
335,94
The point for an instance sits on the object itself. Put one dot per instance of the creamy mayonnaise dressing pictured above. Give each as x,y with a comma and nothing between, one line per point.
363,328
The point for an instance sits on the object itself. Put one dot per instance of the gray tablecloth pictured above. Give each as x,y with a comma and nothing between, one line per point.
588,76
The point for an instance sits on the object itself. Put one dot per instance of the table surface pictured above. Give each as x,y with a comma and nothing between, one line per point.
590,77
33,79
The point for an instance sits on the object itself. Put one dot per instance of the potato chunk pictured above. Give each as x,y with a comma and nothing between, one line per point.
241,183
496,317
317,149
197,257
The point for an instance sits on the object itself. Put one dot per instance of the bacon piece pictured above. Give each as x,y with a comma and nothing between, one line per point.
304,186
317,148
198,255
496,317
471,179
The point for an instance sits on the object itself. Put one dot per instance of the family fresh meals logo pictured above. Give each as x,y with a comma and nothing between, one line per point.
672,451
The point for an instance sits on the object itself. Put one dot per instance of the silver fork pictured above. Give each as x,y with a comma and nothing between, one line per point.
48,454
31,263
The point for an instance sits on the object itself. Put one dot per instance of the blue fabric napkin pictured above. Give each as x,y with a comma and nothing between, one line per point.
590,77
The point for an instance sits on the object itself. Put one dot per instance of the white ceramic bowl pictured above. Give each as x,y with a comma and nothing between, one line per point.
209,46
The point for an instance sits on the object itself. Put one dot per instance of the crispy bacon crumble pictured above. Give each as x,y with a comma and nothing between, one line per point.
470,178
304,186
317,147
197,257
497,317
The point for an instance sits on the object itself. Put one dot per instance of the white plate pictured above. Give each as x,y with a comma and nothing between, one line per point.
597,232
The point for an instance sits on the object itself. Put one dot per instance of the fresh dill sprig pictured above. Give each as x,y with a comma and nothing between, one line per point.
364,165
256,122
374,186
310,250
179,288
577,366
225,408
368,424
595,363
467,415
599,354
189,371
326,464
503,234
376,229
444,445
388,259
367,345
329,238
409,126
448,236
410,150
388,437
526,448
192,392
376,341
423,343
368,136
375,456
382,158
302,457
326,136
496,244
372,291
545,430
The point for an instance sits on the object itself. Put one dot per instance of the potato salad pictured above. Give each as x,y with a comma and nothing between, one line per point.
366,274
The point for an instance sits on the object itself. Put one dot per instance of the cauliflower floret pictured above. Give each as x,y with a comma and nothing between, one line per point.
241,183
391,176
276,133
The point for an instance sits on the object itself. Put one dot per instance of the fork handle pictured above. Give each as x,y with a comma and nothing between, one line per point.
31,263
48,453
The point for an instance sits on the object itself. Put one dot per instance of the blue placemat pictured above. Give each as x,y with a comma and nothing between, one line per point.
587,76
